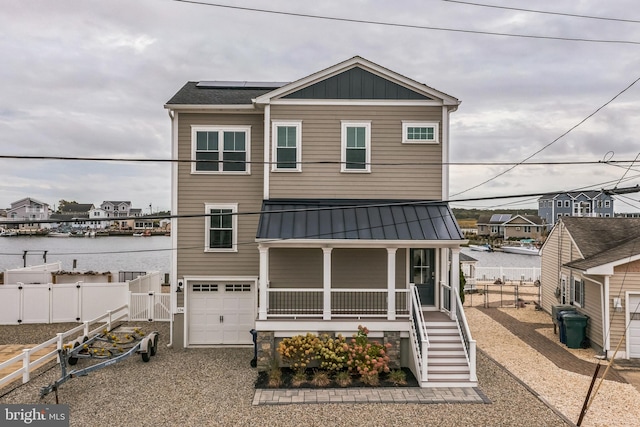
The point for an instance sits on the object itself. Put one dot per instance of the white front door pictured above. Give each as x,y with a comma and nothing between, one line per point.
221,313
634,325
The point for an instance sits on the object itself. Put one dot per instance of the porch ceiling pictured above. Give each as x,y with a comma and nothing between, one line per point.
355,220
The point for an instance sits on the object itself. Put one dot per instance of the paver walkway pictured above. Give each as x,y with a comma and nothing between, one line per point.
559,356
370,395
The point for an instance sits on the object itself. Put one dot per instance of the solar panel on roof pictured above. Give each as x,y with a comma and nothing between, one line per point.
240,84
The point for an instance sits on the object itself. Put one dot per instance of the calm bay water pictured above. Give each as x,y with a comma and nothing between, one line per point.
127,253
117,253
503,259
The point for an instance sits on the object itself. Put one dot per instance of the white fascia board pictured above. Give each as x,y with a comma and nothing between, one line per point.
250,108
366,65
289,327
354,243
359,102
608,268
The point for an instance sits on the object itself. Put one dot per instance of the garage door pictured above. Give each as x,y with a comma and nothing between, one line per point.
634,326
221,313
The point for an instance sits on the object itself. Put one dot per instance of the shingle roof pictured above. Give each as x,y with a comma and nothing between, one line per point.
603,240
591,194
352,219
191,94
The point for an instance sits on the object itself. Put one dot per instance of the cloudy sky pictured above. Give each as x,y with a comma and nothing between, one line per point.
89,78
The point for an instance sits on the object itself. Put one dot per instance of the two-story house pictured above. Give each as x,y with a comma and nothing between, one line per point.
317,206
552,207
31,210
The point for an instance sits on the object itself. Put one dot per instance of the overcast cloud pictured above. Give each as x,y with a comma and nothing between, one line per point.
90,78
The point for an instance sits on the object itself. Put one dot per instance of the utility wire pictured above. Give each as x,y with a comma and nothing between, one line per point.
399,25
546,12
316,162
554,141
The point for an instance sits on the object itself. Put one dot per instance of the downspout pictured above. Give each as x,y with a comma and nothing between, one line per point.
607,323
267,151
174,224
445,153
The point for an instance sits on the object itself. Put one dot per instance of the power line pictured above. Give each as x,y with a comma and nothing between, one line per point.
314,162
399,25
554,141
546,12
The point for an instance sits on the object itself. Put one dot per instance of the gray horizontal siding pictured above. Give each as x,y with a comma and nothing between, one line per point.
321,133
196,190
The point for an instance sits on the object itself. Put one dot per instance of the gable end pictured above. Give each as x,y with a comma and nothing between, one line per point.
356,83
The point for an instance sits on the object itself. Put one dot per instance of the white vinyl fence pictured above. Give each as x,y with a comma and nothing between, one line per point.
77,302
507,274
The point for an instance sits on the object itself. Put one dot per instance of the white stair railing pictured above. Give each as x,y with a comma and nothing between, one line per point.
419,339
465,335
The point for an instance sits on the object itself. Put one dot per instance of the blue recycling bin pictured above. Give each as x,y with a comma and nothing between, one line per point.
562,331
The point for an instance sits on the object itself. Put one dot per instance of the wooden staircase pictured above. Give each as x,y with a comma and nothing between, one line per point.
447,364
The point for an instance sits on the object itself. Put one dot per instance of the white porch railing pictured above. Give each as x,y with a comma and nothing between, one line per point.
513,274
27,365
361,303
419,338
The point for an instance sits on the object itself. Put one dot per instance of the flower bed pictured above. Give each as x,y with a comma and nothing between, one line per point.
341,363
288,374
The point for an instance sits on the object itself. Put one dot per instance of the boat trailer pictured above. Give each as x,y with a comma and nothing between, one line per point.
110,347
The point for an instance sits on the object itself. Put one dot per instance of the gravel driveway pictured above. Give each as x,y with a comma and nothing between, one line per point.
214,386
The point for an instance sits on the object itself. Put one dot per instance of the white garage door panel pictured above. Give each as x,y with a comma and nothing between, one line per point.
634,326
221,314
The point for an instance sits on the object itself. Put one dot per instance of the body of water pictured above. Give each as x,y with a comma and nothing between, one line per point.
127,253
113,253
503,259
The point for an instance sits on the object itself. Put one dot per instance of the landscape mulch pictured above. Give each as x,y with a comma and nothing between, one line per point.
287,374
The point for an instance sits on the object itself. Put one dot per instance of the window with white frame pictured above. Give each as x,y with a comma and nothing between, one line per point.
220,149
567,203
420,133
577,292
356,147
287,146
221,227
607,203
559,203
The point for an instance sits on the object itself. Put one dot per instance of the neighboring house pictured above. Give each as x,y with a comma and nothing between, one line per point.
552,207
139,223
594,264
77,213
116,208
28,209
98,219
468,266
303,210
507,226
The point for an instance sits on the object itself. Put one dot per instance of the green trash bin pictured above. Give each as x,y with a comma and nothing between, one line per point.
576,328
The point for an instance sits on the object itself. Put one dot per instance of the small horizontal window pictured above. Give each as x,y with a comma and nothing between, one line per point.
420,133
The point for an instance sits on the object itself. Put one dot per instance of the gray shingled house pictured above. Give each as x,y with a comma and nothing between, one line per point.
594,265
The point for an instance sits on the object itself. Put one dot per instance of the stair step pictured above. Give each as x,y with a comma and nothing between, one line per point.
446,361
447,354
447,376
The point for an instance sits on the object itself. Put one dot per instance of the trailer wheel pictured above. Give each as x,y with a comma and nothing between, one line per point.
146,356
73,360
154,345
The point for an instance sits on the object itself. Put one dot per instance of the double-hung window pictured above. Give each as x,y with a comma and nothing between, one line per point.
577,292
220,149
420,133
221,227
287,146
356,147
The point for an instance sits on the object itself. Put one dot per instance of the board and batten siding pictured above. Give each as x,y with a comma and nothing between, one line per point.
321,142
196,190
350,268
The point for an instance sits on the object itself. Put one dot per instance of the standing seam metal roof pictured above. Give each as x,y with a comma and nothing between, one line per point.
356,219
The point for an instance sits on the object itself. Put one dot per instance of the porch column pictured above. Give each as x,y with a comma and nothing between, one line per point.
455,280
326,283
391,283
263,282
